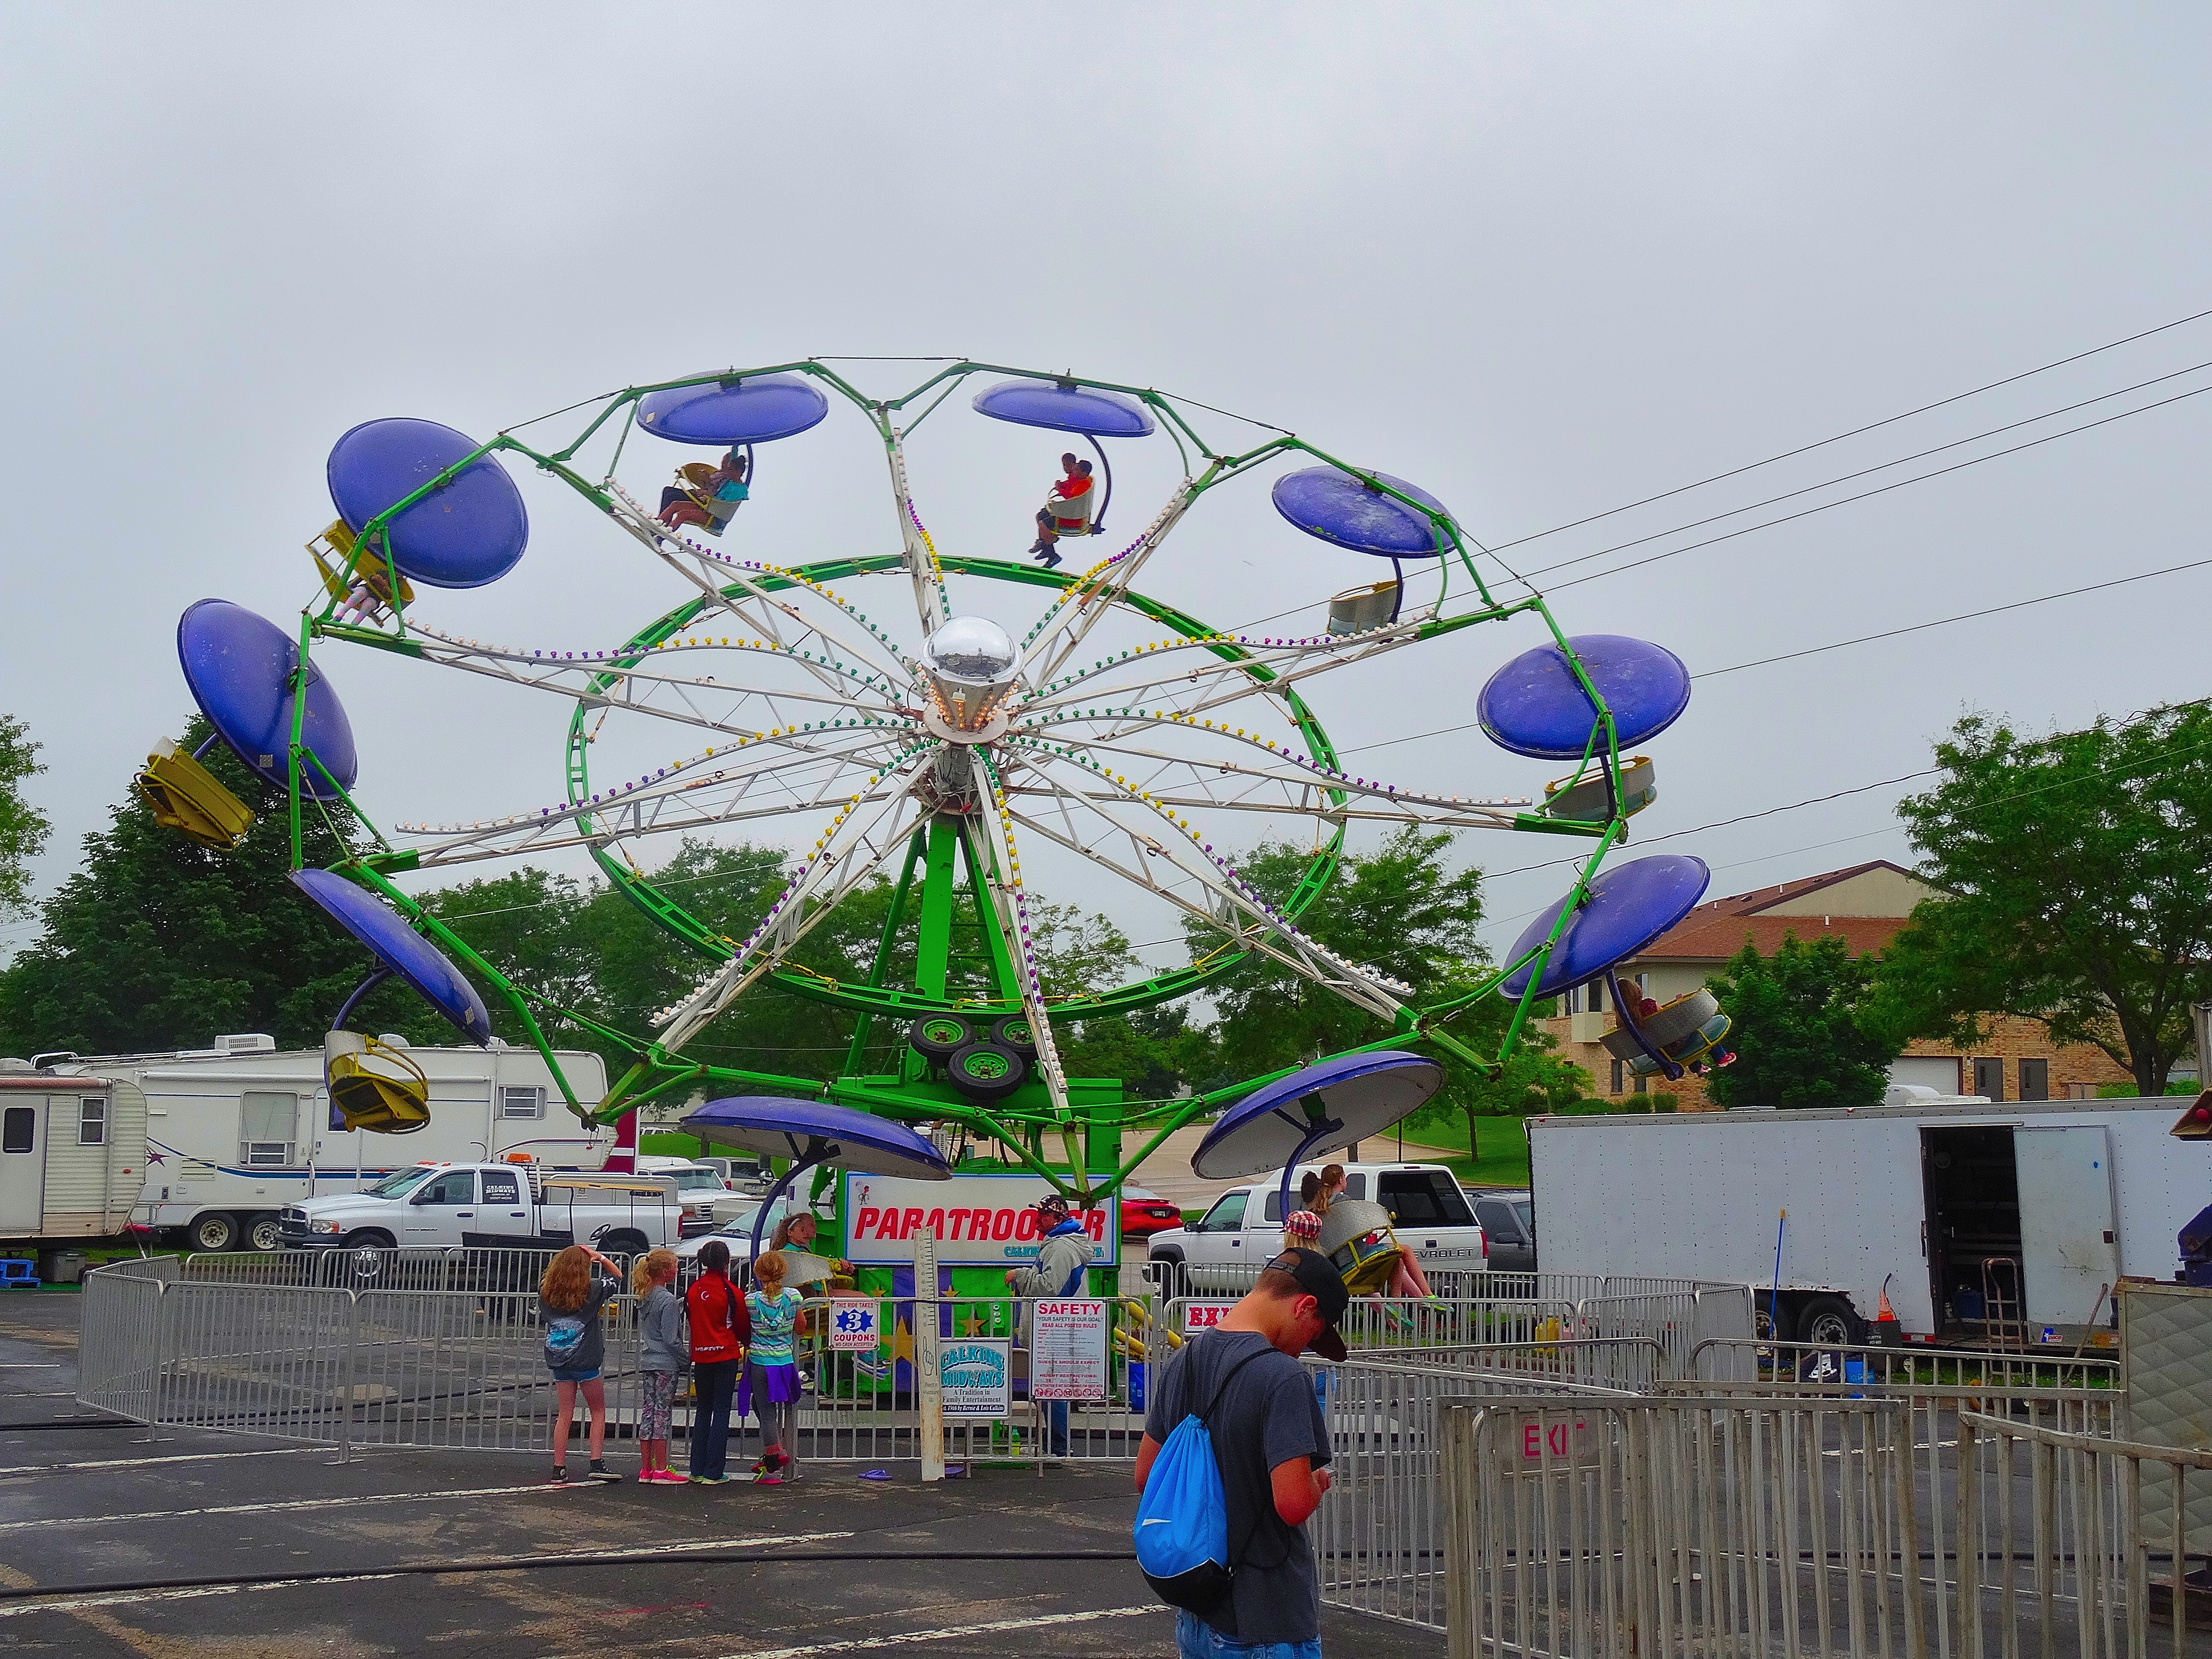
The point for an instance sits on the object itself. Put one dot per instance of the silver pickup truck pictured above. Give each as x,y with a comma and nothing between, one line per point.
1228,1245
443,1206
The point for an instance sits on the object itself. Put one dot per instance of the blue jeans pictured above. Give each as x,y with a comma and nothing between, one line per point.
710,1423
1196,1639
1056,1418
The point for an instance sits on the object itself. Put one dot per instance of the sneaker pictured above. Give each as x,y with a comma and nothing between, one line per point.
664,1477
559,1477
599,1471
712,1480
771,1479
1049,561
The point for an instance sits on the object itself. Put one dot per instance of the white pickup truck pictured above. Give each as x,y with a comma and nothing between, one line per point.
438,1205
1229,1244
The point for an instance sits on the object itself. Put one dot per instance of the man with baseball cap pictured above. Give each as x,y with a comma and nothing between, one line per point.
1063,1256
1271,1441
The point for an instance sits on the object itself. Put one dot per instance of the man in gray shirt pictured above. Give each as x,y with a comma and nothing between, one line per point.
1271,1441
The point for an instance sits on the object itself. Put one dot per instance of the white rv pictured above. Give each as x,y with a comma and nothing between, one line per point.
211,1145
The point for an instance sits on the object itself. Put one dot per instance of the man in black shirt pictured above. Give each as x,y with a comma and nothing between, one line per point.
1271,1441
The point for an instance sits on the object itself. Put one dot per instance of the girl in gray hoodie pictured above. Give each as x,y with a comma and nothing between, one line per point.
664,1349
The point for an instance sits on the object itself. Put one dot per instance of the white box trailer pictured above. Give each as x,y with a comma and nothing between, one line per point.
1932,1198
211,1145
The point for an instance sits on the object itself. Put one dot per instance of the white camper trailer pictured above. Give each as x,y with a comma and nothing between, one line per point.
220,1140
72,1156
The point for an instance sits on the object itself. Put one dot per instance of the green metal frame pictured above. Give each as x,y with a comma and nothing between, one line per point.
943,844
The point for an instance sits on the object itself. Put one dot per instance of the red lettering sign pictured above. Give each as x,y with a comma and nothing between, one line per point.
867,1220
908,1222
1002,1225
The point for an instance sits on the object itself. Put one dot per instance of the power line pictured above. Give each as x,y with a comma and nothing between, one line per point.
1856,431
1869,471
1883,489
1966,615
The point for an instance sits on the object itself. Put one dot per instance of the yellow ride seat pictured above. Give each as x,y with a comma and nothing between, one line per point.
1357,1238
333,546
186,798
376,1086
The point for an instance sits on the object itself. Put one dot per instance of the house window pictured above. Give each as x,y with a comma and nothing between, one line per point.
2035,1080
92,1121
19,1129
1572,1002
265,1124
522,1102
1597,996
1643,1082
1616,1076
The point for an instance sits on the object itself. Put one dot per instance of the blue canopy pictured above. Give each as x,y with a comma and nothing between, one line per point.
1630,905
470,531
777,1126
1535,706
1363,1093
757,408
239,667
1084,409
1338,507
401,949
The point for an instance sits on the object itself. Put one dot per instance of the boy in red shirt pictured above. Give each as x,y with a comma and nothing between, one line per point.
1066,512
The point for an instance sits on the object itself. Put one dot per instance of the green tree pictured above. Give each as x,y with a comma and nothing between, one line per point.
1401,908
156,943
2073,871
1802,1030
22,827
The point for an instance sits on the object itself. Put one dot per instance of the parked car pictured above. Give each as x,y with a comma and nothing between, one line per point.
736,1231
697,1186
443,1205
750,1176
1508,1215
1144,1214
1226,1247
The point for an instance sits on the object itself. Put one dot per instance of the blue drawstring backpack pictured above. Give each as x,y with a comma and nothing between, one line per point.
1182,1520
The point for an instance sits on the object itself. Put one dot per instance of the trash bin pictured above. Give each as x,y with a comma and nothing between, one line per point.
63,1268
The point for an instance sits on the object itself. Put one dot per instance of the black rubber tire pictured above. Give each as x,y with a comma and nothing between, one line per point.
262,1232
984,1070
1829,1322
1013,1032
364,1265
213,1230
937,1037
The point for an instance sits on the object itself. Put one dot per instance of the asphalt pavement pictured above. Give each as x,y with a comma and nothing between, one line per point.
114,1543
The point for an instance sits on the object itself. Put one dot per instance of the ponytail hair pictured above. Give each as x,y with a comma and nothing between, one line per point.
645,1272
1309,1198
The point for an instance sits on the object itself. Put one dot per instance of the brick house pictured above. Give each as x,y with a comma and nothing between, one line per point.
1866,906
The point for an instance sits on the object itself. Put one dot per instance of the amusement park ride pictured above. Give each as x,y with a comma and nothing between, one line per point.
920,742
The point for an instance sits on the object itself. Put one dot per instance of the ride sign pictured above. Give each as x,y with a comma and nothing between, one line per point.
981,1220
853,1324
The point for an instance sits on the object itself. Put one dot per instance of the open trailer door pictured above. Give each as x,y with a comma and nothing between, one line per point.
2070,1256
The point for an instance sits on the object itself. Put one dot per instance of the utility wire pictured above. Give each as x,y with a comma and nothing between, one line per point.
1966,615
1806,449
1881,489
1869,471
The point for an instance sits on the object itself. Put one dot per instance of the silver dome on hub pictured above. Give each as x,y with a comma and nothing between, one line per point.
968,668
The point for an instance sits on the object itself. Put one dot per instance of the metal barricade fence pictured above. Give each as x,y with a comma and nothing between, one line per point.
445,1268
1379,1536
119,1354
1706,1524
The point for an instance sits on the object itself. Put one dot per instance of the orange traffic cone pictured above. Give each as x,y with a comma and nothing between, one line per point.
1887,1333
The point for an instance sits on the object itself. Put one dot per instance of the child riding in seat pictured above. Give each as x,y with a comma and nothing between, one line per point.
1066,512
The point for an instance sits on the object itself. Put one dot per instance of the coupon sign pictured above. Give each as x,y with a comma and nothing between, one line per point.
853,1324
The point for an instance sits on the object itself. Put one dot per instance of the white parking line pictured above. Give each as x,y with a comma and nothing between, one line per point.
272,1508
124,1598
145,1462
860,1644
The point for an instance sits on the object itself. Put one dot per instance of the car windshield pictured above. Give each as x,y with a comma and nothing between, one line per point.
400,1183
1526,1209
693,1181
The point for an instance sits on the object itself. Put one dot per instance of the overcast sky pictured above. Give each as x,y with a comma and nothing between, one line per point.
1543,262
